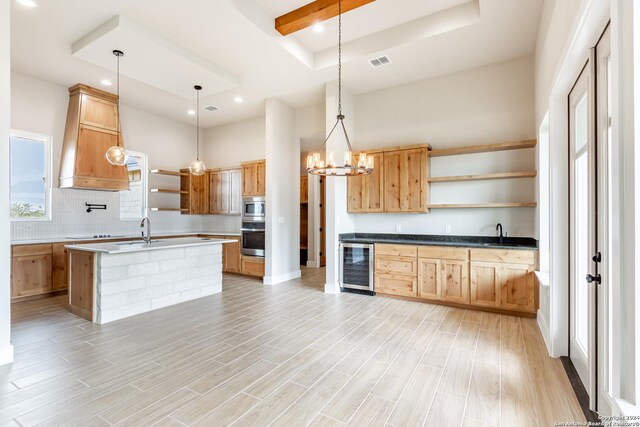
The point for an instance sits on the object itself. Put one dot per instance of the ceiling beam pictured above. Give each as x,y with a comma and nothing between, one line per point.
313,13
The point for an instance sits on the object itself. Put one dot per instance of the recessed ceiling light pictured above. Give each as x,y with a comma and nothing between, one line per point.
191,112
238,99
28,3
106,82
318,28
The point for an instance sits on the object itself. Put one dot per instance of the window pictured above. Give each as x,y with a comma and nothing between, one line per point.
30,169
133,203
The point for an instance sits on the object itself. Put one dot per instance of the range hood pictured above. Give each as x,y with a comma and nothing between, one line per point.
92,127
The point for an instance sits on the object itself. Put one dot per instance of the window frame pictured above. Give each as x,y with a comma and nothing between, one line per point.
48,142
144,171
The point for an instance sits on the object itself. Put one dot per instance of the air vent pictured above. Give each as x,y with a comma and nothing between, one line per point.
380,61
211,108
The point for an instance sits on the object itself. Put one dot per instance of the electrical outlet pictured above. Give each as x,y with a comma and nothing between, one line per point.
447,229
398,228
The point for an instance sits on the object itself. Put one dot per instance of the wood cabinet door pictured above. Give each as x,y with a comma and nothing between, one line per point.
99,113
31,275
355,194
235,188
261,179
91,161
396,285
485,284
455,281
304,189
392,181
429,278
231,258
196,199
518,287
253,266
249,179
374,185
60,271
219,192
413,181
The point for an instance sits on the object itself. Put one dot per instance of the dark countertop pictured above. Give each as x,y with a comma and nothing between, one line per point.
489,242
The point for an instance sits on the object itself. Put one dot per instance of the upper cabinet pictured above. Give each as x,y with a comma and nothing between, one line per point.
225,191
194,197
399,182
91,128
254,178
366,192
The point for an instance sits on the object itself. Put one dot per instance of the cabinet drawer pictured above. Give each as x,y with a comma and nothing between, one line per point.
396,285
396,250
30,250
443,252
405,266
504,255
253,266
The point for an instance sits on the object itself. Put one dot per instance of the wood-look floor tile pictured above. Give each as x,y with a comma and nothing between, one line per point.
160,409
452,320
324,421
467,337
229,412
270,408
490,321
457,374
373,412
348,400
488,350
446,411
483,402
413,406
438,351
305,409
315,370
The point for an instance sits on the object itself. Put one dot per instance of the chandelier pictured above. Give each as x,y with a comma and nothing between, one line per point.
117,155
363,165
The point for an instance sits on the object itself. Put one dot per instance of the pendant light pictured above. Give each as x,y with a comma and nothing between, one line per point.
364,163
197,167
117,155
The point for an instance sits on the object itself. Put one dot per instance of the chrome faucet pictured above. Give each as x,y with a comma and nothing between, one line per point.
146,238
499,227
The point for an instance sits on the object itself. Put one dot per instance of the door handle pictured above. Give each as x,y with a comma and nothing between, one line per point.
597,257
591,278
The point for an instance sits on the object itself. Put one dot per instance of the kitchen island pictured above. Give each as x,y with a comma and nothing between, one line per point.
111,281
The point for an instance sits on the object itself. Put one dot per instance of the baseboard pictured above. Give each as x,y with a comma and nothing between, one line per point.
544,329
6,355
271,280
332,288
313,264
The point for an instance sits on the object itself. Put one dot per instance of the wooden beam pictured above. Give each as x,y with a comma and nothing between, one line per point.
314,12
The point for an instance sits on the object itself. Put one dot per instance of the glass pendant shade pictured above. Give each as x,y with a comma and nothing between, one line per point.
197,168
117,155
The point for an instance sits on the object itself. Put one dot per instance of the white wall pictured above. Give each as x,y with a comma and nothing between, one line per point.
282,261
230,144
41,107
490,104
6,350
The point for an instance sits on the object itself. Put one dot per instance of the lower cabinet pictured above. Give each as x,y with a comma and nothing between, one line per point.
429,278
455,281
485,284
59,268
483,278
31,275
518,287
253,266
231,255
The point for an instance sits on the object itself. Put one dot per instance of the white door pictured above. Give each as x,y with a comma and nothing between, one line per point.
589,135
582,231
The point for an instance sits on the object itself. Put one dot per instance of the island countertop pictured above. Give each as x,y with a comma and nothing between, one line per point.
139,246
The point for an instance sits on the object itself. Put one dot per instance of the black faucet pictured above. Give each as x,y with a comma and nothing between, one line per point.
499,227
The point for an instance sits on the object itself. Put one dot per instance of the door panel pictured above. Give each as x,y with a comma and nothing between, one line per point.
429,278
485,284
455,281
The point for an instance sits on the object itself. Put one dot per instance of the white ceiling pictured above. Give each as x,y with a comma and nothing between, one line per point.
235,40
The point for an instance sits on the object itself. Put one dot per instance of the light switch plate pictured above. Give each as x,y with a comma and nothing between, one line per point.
398,228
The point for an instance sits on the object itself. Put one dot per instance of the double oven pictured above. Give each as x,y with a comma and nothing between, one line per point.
253,226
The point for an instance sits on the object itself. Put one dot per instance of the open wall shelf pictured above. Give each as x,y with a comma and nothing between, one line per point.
485,177
168,210
487,148
166,172
168,191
